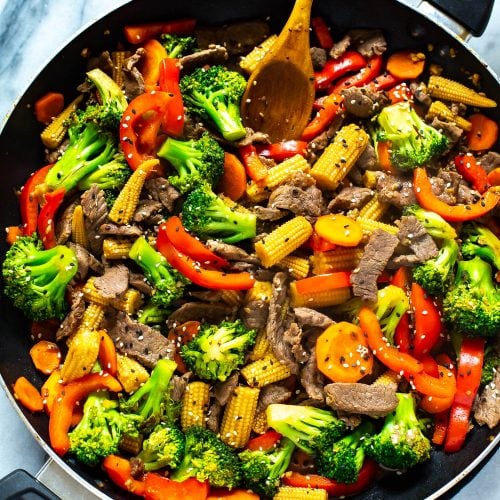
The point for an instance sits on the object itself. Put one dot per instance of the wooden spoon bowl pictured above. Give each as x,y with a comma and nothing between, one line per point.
280,92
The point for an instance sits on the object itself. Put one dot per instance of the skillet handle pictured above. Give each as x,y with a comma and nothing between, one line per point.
473,15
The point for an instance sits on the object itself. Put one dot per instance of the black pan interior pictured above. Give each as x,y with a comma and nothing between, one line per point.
21,152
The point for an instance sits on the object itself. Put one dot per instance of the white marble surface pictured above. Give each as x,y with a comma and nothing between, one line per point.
31,31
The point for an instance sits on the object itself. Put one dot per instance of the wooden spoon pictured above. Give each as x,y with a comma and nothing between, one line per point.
280,92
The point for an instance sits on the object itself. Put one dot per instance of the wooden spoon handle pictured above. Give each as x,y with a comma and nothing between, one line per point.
296,29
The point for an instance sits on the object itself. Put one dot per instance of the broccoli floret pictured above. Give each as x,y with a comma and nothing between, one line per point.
207,458
215,94
196,161
434,274
99,432
206,215
472,305
344,459
164,447
479,241
178,46
36,279
112,175
413,142
401,443
262,469
433,223
153,314
217,350
308,427
168,284
89,148
491,364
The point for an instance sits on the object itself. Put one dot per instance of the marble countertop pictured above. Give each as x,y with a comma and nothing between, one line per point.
31,31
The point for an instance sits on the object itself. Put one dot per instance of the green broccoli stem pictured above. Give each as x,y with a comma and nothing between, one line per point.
281,458
447,256
152,262
108,89
405,411
477,274
183,155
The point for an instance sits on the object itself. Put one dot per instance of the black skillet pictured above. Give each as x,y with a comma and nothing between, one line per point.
21,152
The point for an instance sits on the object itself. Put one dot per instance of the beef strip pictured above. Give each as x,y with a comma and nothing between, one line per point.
85,261
310,317
103,61
420,94
487,406
395,190
350,419
159,189
321,141
340,47
377,253
212,55
113,282
312,379
318,56
276,322
133,82
371,400
110,229
367,160
467,195
201,311
254,314
146,209
413,235
231,252
307,202
64,223
253,136
224,390
449,130
268,213
364,102
140,342
293,335
368,42
178,385
273,394
95,211
207,295
214,415
489,161
138,281
73,319
350,198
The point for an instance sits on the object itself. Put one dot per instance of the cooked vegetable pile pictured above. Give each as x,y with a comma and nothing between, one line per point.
225,316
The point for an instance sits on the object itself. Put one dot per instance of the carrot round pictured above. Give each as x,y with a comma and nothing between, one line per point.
384,156
50,390
342,353
233,182
13,232
406,64
46,356
483,133
493,177
49,106
339,229
27,394
223,494
107,354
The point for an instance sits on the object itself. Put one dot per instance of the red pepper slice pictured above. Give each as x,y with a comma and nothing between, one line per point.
451,213
254,166
441,386
364,76
29,202
318,244
322,32
170,70
331,107
335,68
427,320
154,53
280,151
430,364
399,93
385,81
469,169
264,442
139,33
120,472
46,218
440,427
159,487
189,245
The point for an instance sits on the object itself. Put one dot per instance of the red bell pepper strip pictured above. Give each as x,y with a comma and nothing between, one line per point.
280,151
254,167
427,320
154,53
385,81
472,172
335,68
441,386
364,76
170,70
71,394
207,278
159,487
323,282
46,218
28,201
189,245
402,334
469,370
322,32
331,107
451,213
430,364
264,442
443,359
318,244
120,472
333,488
400,93
390,356
139,33
440,427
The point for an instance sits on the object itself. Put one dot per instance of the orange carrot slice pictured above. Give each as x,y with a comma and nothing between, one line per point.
233,182
406,64
46,356
483,133
27,394
339,229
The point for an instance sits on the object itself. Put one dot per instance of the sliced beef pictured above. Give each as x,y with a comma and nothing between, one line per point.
318,56
133,82
349,419
395,190
310,317
364,102
340,47
147,209
268,213
301,180
371,400
449,130
113,282
350,198
140,342
64,223
138,281
200,311
253,136
231,252
212,55
178,385
73,319
276,322
445,185
420,94
467,195
159,189
273,394
85,261
224,390
95,211
368,42
293,335
207,295
487,406
307,202
312,379
214,416
377,253
490,161
413,235
254,314
110,229
320,142
103,61
367,160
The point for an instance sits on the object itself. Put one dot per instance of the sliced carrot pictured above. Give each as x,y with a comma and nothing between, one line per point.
27,394
107,354
49,106
254,166
323,282
222,494
50,390
46,356
384,156
181,335
13,232
406,64
493,177
342,353
233,182
483,133
339,229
